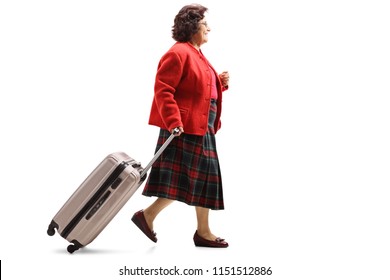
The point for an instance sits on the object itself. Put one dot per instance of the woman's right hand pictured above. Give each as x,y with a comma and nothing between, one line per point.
180,131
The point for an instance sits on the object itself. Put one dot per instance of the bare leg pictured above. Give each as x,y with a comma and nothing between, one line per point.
202,215
154,209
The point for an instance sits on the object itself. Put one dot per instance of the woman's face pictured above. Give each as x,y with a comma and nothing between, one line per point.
201,36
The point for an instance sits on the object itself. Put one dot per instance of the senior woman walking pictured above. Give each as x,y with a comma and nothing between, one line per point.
188,96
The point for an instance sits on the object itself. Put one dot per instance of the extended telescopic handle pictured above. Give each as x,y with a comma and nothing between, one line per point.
159,152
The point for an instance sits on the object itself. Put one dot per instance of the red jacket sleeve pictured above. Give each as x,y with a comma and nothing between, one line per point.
168,76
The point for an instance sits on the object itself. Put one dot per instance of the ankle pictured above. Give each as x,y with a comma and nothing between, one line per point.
148,218
205,233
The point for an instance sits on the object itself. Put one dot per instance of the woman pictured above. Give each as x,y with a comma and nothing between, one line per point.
188,96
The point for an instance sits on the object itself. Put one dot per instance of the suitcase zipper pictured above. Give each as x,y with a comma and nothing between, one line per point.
87,207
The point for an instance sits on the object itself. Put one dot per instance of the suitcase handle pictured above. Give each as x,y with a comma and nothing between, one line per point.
159,152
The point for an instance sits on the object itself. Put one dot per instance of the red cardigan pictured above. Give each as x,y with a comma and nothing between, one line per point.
182,91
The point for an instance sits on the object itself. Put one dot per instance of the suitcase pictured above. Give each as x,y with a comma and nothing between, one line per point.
100,197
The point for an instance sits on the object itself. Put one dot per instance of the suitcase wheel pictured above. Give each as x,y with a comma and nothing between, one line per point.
74,246
71,248
51,229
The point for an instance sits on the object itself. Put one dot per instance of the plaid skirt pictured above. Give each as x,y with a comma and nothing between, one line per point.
188,170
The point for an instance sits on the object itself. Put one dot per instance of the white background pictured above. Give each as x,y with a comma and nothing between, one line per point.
304,144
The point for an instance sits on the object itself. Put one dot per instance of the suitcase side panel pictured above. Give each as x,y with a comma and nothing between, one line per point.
107,207
98,195
87,189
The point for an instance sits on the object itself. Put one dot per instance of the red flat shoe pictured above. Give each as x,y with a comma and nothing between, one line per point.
139,220
201,242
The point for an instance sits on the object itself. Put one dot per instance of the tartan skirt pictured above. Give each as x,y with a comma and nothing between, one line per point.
188,170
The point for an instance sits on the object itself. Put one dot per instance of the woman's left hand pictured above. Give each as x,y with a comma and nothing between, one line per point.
224,76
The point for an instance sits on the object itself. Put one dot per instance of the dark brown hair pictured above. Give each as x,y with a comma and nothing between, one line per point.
186,22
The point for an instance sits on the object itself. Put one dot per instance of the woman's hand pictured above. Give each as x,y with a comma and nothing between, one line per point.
224,76
177,131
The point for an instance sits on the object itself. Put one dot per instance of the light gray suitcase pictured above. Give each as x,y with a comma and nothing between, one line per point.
100,197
